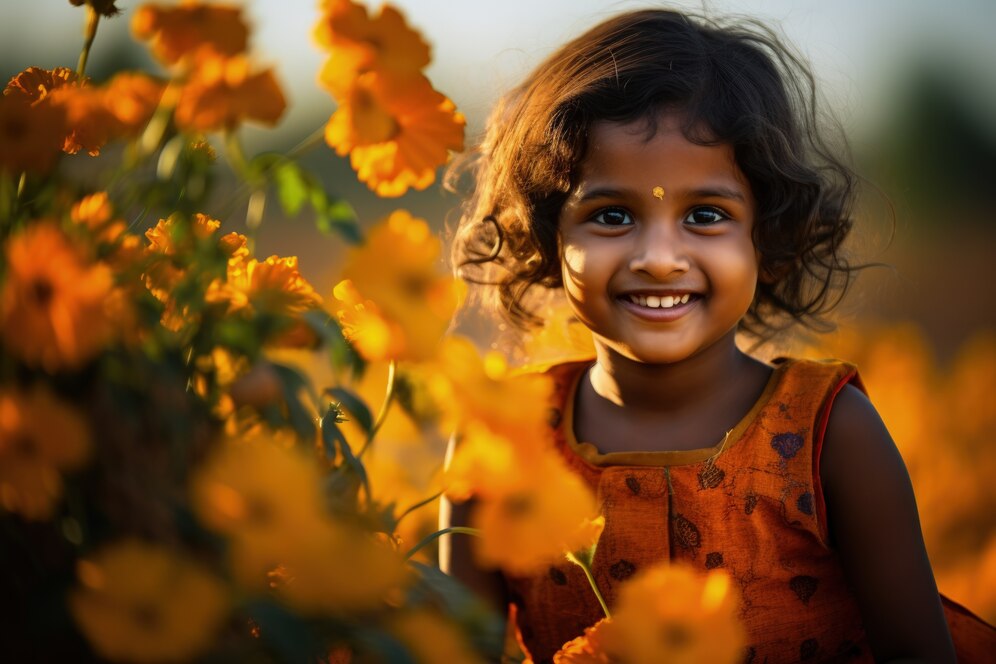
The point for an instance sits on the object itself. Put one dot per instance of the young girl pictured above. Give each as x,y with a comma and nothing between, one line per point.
670,176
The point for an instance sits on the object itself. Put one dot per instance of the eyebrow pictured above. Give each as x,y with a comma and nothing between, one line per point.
717,191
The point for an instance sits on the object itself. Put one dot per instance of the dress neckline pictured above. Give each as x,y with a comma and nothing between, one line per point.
590,453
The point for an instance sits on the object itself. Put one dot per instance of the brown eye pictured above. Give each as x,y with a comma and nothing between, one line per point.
612,217
705,216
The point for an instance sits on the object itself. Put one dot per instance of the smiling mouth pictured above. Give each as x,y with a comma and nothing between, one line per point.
658,301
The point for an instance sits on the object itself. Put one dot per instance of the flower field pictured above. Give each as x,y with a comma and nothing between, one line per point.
204,457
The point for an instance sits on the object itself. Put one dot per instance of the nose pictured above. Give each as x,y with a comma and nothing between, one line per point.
660,251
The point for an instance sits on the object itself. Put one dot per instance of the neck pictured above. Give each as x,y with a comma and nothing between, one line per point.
671,387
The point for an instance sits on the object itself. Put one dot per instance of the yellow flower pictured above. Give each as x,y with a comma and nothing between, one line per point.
358,43
140,602
469,387
273,287
55,310
223,93
339,568
396,130
432,639
671,613
531,509
267,499
190,30
40,437
32,136
396,300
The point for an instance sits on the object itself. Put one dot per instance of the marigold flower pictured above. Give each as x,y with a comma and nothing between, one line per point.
396,302
132,98
268,500
274,286
396,130
55,306
190,30
41,436
223,92
34,83
531,508
671,613
170,239
468,387
585,649
140,602
31,136
89,124
358,43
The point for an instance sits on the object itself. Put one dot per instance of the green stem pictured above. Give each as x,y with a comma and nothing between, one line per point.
428,539
92,20
421,503
236,156
8,201
382,415
591,580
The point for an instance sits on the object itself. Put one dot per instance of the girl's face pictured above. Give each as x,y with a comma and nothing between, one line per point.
656,250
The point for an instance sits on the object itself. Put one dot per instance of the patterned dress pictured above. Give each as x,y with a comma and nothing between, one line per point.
752,507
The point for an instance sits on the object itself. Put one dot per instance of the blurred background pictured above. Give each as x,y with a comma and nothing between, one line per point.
914,85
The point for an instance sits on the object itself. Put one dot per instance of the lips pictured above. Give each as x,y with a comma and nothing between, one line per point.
659,306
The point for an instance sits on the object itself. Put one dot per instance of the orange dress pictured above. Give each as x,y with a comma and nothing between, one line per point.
752,507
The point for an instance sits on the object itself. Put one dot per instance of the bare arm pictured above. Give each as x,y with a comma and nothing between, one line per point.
875,528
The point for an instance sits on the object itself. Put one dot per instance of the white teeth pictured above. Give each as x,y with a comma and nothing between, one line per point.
658,302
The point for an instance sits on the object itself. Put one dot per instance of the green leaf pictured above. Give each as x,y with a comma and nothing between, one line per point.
297,415
355,405
342,355
293,185
339,217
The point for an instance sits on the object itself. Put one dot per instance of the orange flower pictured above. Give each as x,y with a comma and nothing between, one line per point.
90,124
40,436
396,130
94,115
671,613
585,649
396,300
268,500
469,387
132,98
140,602
55,307
273,287
34,83
531,509
223,92
170,240
31,135
178,33
358,43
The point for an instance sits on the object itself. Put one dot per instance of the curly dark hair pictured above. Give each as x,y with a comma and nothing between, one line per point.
732,83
